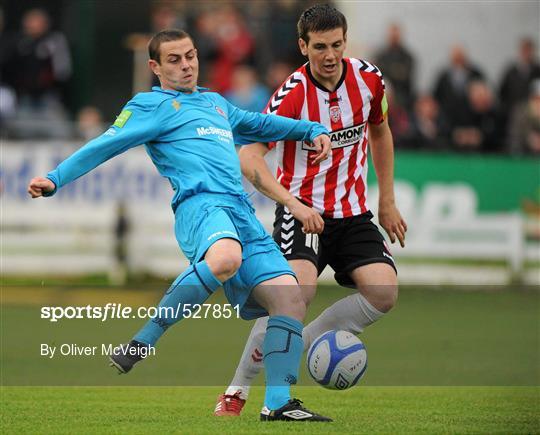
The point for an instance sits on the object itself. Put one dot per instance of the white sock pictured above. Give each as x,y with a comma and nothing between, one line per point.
251,362
351,314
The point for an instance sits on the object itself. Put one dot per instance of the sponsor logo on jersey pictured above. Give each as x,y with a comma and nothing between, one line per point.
221,112
122,118
344,137
335,113
204,131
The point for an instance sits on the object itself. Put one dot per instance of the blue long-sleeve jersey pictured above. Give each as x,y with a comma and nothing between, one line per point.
190,137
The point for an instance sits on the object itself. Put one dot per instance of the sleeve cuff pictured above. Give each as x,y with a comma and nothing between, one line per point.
317,131
52,192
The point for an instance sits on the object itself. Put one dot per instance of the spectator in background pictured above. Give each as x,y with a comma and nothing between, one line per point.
518,77
277,73
524,126
225,43
429,130
281,25
8,105
247,92
398,117
38,68
452,85
42,58
163,15
89,123
8,99
481,131
397,64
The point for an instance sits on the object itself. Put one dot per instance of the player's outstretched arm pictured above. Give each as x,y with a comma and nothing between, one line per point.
39,186
138,123
256,170
250,127
382,153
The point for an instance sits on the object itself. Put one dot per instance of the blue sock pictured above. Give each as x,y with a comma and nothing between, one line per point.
193,286
282,348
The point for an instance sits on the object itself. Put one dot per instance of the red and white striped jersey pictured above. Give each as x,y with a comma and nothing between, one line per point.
336,187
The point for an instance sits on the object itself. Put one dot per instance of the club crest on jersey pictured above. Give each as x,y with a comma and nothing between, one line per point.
176,105
221,112
335,113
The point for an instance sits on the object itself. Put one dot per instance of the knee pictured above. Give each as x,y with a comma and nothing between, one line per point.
384,299
388,299
225,267
291,304
298,306
308,293
378,283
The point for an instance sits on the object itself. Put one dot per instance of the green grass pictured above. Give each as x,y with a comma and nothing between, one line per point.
368,410
445,360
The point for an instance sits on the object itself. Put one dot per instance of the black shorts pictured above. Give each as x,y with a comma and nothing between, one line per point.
344,245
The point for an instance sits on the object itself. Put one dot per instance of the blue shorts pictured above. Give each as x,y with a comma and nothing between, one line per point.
206,218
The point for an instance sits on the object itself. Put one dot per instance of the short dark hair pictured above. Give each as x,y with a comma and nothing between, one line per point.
320,18
164,36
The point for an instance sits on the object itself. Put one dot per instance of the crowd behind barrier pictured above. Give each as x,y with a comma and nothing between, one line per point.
463,112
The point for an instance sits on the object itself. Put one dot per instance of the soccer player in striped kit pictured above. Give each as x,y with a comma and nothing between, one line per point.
322,215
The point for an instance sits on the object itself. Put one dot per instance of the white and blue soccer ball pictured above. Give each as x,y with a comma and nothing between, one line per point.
337,360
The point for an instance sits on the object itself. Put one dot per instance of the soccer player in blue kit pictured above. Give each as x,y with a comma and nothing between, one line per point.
190,135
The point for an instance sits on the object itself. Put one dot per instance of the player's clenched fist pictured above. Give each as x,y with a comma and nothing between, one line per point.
39,185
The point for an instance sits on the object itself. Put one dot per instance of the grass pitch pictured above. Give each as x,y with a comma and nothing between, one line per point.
366,410
465,361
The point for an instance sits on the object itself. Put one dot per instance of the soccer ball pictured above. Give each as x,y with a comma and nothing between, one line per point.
337,360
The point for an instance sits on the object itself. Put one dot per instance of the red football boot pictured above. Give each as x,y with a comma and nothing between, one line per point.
229,405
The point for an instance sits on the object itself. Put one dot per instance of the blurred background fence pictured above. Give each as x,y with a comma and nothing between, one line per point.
468,217
464,110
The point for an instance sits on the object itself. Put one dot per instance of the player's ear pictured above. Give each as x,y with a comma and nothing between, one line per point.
303,46
155,67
